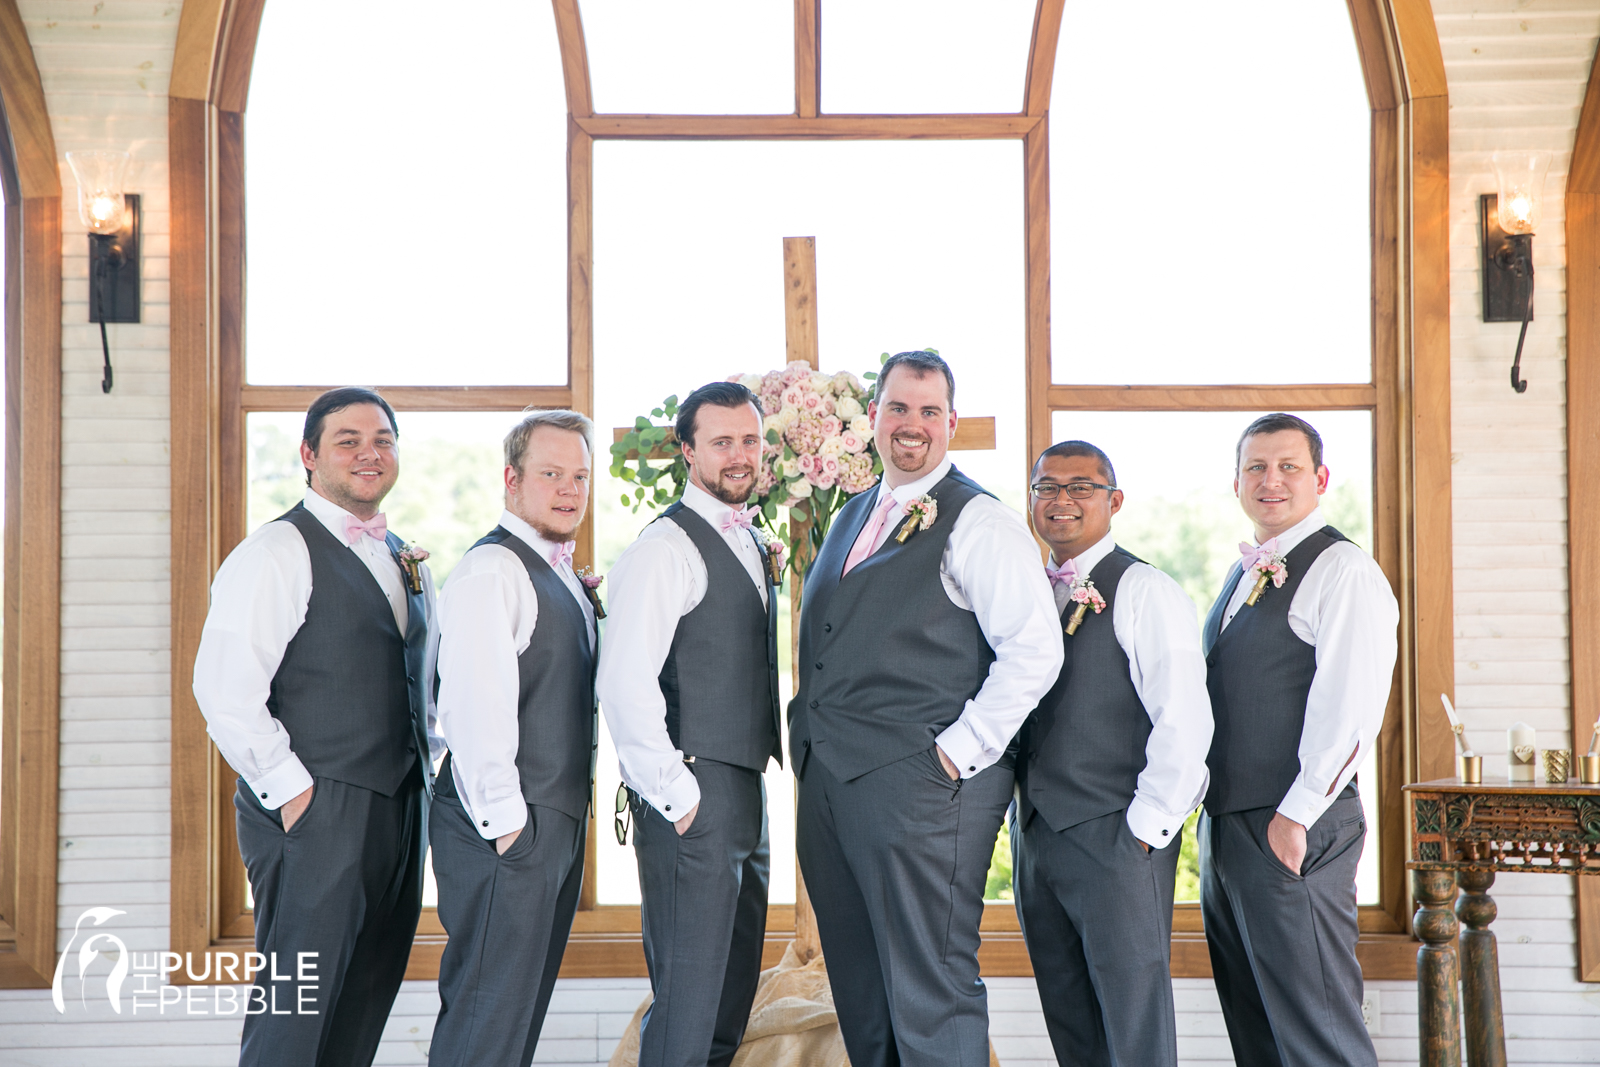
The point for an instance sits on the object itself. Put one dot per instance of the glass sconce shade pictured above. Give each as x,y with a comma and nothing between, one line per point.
100,201
1520,180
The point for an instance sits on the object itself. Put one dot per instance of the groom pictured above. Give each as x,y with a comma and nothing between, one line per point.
921,653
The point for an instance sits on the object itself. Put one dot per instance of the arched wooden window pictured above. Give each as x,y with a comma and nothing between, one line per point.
731,87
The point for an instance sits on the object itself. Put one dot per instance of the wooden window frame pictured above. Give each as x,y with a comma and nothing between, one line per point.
31,712
1409,396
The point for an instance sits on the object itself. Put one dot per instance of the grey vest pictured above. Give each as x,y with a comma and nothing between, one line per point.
723,665
349,689
1082,751
556,711
887,662
1259,673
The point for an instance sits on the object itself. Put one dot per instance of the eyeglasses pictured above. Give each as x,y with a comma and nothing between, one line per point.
1075,490
624,816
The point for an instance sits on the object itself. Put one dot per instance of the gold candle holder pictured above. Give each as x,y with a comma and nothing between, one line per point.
1557,765
1472,770
1589,770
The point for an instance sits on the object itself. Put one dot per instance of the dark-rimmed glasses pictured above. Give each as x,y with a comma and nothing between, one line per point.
1075,490
624,816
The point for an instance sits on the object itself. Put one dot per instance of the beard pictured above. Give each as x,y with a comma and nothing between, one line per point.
734,494
908,461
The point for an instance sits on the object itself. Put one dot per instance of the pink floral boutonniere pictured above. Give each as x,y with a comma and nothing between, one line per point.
591,586
775,553
1086,596
411,558
1263,564
921,513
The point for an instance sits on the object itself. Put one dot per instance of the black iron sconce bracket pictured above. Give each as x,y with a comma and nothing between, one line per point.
1507,278
114,279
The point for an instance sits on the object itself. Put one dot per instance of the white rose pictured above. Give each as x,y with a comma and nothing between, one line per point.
800,490
862,425
790,468
821,383
847,408
832,446
751,382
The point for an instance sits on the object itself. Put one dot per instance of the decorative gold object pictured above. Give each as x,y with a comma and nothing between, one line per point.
1589,770
1557,765
1260,587
1077,619
1472,769
909,527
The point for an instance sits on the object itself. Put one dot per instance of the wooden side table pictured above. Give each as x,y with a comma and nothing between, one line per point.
1463,835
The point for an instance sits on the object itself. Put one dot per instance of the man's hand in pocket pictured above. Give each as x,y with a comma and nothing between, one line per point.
295,807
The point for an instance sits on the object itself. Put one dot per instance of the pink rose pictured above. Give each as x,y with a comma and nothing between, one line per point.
831,426
821,479
793,396
852,441
811,403
829,465
808,462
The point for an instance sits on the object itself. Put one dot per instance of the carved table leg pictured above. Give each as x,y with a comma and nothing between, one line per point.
1438,1003
1480,972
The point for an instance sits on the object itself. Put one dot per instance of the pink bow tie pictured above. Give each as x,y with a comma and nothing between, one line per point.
562,553
741,518
376,528
1065,575
1256,554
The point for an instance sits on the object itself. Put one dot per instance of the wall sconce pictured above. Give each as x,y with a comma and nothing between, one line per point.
112,218
1509,219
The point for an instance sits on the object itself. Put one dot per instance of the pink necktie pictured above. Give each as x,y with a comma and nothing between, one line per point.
1066,575
738,519
376,528
1254,554
869,534
562,553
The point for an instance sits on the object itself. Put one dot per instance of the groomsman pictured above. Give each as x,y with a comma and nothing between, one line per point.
920,658
517,710
1111,763
1299,681
313,675
689,685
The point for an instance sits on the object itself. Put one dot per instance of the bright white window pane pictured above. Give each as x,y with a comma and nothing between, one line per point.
1209,193
689,289
381,144
925,56
705,57
1179,514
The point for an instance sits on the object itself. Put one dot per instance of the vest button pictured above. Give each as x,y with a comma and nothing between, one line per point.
410,680
819,664
813,703
827,627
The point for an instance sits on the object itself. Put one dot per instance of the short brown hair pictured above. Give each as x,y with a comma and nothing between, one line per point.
516,444
920,362
1277,423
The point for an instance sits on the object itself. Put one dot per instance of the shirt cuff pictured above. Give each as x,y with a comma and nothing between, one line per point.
501,817
964,749
1152,825
679,797
281,784
1304,804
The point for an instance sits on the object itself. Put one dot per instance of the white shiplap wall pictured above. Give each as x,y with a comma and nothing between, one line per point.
1516,70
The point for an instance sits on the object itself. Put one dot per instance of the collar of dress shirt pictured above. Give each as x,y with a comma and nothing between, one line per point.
705,505
1299,531
1090,558
912,490
516,526
329,514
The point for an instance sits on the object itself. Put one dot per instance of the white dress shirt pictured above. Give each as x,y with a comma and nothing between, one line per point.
991,568
660,578
487,615
1346,609
258,604
1154,622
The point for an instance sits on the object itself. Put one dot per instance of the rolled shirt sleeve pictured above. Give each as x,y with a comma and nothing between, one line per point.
991,567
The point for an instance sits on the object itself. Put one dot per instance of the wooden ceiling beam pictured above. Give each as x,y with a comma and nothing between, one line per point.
1042,57
1212,397
29,120
821,128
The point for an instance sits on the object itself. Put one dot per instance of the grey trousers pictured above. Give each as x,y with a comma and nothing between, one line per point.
704,916
345,883
895,862
1096,913
508,918
1283,943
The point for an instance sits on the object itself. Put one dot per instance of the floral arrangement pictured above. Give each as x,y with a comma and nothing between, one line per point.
591,587
819,452
921,513
1086,596
1263,564
411,558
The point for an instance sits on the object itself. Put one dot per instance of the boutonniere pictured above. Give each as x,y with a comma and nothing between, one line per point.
1263,564
411,558
1086,596
591,588
774,552
921,513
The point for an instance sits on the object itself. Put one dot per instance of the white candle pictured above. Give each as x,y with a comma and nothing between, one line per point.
1456,727
1522,753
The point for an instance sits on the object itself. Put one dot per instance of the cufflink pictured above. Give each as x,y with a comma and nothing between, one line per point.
263,796
1164,833
486,822
667,808
972,768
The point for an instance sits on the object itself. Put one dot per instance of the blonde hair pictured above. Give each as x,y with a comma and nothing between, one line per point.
516,443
